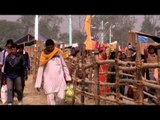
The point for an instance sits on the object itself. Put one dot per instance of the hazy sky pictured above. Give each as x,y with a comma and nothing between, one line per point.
64,25
9,17
140,19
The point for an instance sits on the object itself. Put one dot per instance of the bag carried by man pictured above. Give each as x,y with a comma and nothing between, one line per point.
4,93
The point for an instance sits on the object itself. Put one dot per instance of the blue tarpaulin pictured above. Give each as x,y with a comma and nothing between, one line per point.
142,39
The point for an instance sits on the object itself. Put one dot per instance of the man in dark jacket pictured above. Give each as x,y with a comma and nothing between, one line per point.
25,55
3,55
14,69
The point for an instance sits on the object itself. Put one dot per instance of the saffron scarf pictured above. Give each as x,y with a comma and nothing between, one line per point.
44,58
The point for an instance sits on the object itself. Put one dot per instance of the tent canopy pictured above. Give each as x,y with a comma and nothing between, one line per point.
154,38
28,38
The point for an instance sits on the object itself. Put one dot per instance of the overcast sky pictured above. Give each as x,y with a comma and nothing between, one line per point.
64,25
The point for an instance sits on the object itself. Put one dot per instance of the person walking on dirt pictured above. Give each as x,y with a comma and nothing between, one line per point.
3,54
25,55
13,69
52,74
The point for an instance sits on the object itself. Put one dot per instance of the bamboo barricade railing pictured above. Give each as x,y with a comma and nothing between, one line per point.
137,81
146,83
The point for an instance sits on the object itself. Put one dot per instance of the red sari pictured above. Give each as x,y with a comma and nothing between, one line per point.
103,78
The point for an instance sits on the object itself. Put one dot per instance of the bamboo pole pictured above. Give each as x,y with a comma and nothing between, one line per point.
149,95
144,65
121,73
128,75
90,86
151,65
113,61
151,85
144,83
139,91
74,84
127,68
158,91
151,81
91,95
128,80
117,75
97,91
83,79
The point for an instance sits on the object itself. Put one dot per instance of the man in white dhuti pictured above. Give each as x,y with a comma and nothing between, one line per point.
53,74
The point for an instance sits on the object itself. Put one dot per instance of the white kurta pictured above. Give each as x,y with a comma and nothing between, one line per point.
55,75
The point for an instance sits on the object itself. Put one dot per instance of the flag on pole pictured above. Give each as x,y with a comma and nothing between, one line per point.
87,24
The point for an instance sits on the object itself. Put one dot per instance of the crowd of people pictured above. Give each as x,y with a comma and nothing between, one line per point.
14,65
128,53
54,73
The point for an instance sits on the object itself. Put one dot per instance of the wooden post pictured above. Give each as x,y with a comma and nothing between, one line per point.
97,91
74,83
117,75
139,93
75,67
82,69
90,74
158,91
97,85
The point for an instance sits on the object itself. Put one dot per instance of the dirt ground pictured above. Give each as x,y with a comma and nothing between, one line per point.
31,95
